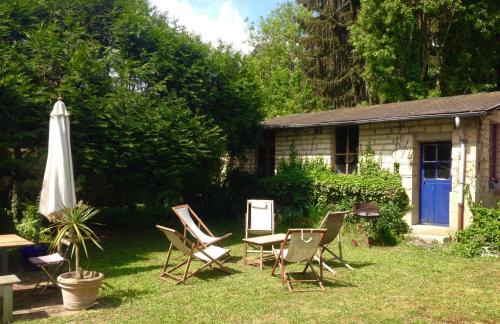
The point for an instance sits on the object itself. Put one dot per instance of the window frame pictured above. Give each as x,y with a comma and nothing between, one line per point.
348,153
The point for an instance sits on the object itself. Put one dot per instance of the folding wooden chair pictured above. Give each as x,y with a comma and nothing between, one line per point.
332,222
303,243
259,218
51,265
186,215
210,255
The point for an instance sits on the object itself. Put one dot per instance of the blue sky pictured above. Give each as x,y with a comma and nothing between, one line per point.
253,9
216,20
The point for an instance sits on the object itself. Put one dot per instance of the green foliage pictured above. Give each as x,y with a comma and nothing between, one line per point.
72,224
329,63
310,185
483,233
421,49
152,107
293,184
27,225
276,58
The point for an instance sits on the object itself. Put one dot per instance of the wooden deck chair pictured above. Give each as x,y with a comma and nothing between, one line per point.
198,230
303,243
208,255
332,222
51,265
259,219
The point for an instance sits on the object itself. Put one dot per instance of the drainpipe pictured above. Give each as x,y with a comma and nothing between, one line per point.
461,174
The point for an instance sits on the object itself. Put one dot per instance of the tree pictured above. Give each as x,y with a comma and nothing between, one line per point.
421,49
328,60
276,58
150,103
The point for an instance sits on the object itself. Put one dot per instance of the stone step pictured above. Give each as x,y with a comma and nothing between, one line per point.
430,238
430,233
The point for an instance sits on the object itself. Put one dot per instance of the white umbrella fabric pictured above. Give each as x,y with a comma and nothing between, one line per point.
58,189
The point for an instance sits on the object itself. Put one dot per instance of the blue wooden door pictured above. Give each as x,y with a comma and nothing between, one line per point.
435,183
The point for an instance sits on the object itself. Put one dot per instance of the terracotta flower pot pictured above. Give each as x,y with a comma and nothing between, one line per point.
79,293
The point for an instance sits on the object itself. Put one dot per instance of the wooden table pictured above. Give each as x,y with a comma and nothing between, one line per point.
10,241
260,242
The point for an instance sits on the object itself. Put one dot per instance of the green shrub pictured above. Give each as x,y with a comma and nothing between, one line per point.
483,232
300,184
26,226
293,184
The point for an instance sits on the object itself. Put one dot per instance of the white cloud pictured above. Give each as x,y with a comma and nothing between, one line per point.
213,20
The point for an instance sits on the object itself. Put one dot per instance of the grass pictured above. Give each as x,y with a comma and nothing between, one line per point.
397,284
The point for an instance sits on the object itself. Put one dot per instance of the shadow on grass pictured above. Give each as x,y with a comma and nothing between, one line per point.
215,275
355,265
27,299
335,283
327,283
116,296
113,272
35,315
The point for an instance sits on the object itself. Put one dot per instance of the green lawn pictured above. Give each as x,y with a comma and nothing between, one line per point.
389,284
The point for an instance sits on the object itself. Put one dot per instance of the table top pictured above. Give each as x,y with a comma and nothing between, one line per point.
13,241
9,279
266,239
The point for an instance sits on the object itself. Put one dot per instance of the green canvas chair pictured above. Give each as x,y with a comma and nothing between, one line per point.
301,246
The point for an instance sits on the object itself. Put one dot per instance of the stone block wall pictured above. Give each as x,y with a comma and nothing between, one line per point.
399,143
485,193
311,143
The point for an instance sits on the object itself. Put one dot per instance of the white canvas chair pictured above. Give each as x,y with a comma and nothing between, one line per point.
198,230
332,222
259,218
303,243
210,256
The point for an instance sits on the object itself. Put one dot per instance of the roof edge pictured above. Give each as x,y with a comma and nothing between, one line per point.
387,119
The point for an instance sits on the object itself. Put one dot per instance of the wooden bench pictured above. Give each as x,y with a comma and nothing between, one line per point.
6,283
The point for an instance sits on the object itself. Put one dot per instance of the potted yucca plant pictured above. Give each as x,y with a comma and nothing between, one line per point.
79,288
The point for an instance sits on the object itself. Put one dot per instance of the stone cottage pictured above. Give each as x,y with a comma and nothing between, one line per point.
440,146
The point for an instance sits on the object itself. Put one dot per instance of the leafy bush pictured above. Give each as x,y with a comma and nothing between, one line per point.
302,183
26,226
483,232
293,184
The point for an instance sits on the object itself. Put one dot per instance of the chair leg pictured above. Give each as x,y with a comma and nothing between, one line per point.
336,257
282,266
184,276
274,266
318,278
165,265
321,263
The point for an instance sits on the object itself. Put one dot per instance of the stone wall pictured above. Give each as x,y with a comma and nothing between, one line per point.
485,193
398,143
312,142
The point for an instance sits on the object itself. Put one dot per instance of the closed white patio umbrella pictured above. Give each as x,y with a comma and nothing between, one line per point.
58,189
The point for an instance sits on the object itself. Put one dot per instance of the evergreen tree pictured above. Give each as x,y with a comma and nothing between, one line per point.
328,59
